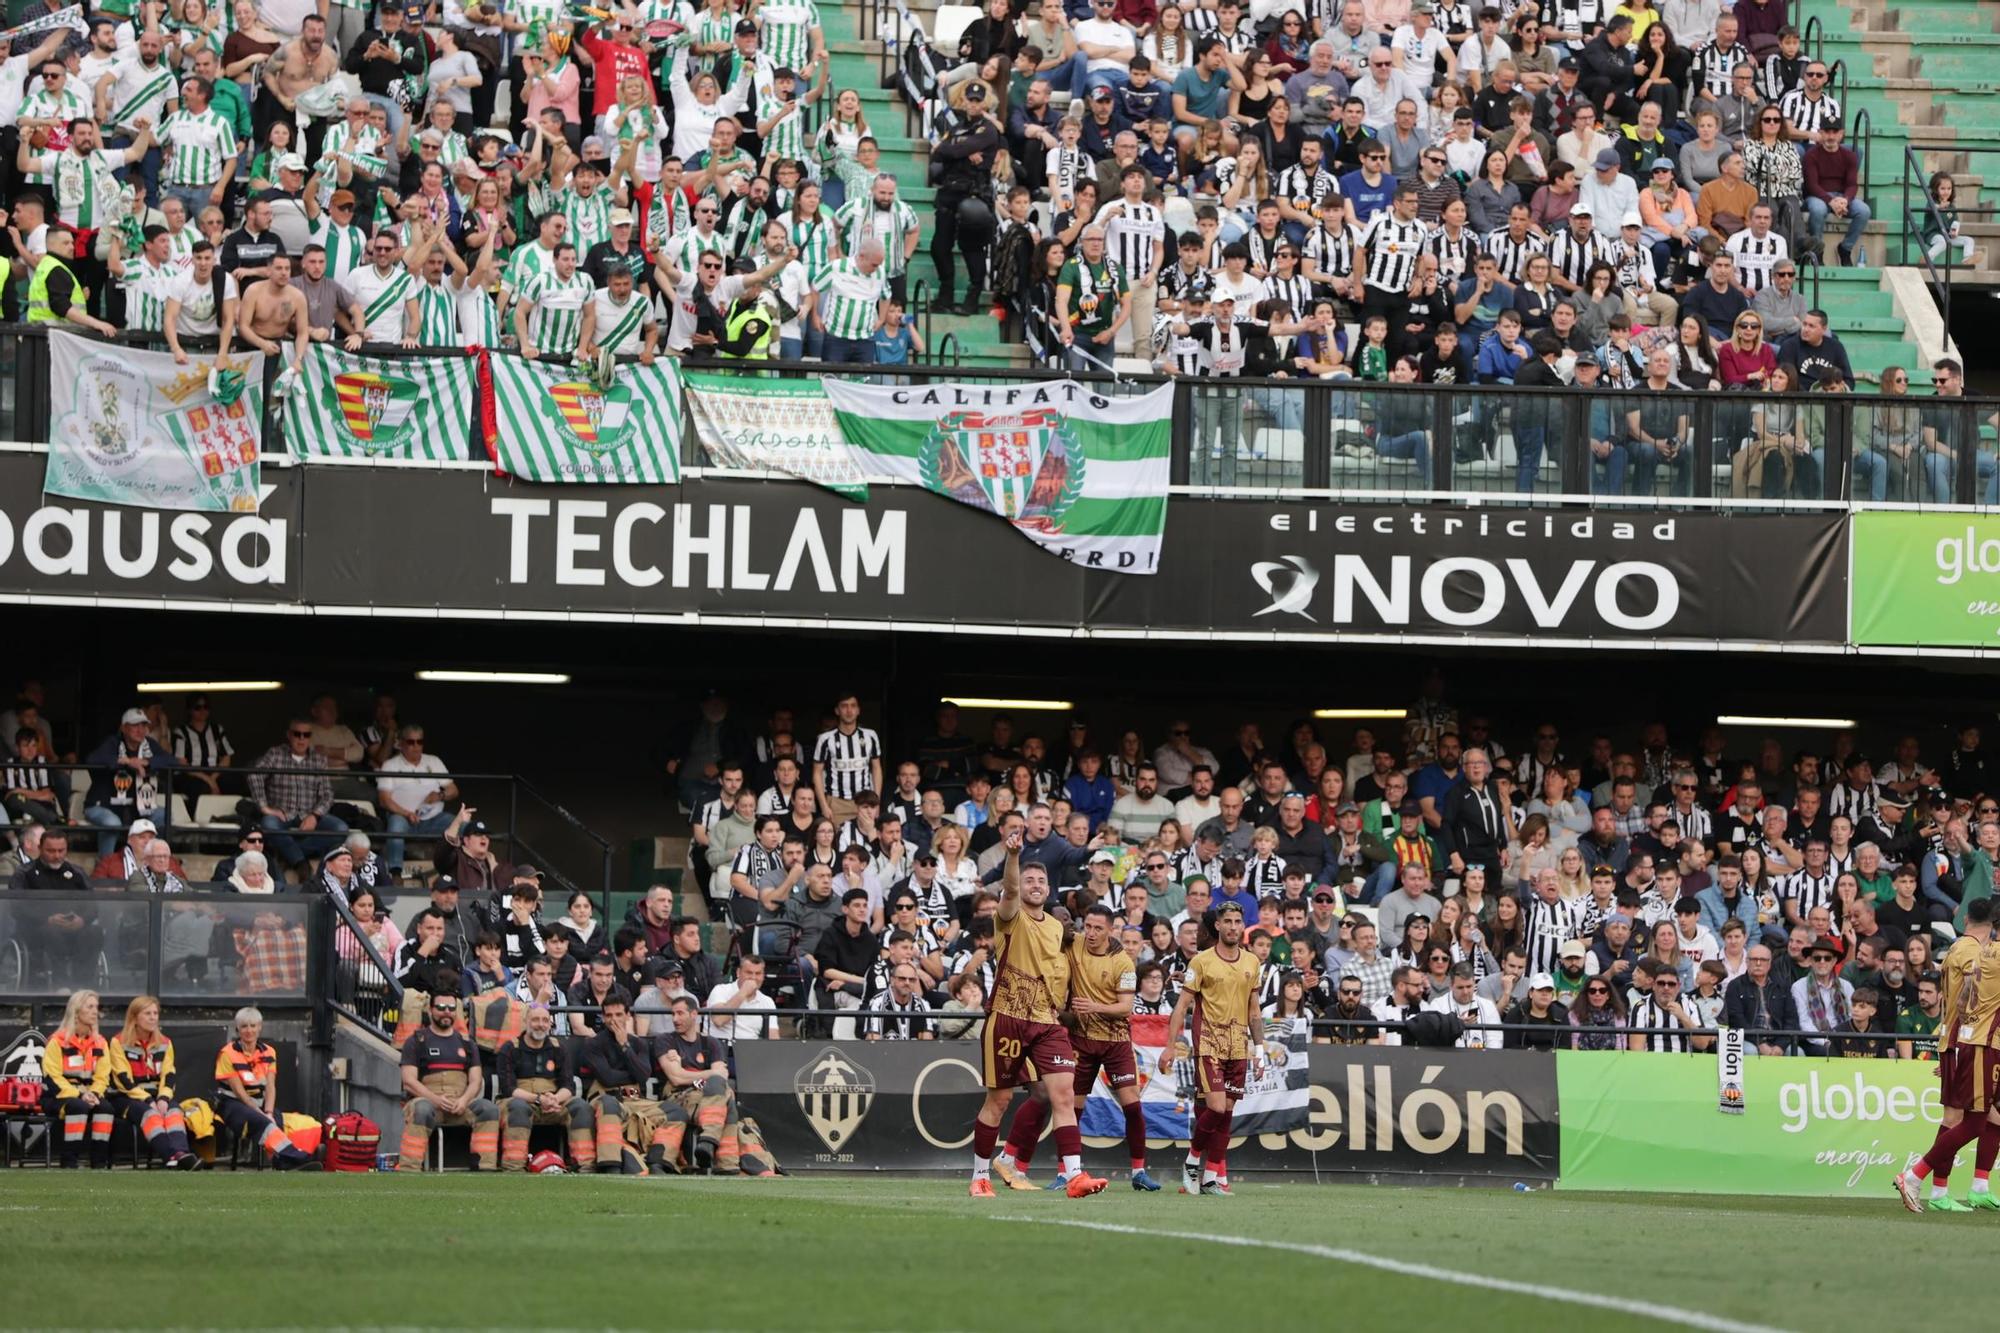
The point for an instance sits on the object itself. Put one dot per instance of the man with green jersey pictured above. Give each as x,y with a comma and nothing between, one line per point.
549,317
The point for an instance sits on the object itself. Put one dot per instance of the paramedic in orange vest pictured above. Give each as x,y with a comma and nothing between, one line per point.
246,1093
76,1071
142,1084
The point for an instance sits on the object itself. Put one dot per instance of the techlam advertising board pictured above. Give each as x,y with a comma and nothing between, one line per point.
1816,1127
1371,1110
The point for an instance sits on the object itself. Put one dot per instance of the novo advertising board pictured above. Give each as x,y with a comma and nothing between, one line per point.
731,547
1374,1110
1812,1127
53,546
1926,580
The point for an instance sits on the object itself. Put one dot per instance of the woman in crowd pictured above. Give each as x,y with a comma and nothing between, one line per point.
1598,1016
1490,198
1939,226
581,919
76,1077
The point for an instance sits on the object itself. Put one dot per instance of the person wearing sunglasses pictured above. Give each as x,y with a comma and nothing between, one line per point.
295,800
441,1085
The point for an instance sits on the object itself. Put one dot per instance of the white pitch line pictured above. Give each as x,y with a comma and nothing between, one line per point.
1665,1313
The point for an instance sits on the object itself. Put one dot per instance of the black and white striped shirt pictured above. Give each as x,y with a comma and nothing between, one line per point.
1811,114
1550,926
776,800
1756,256
1330,249
1714,67
1454,254
1132,232
1805,890
1649,1013
1307,189
1295,292
1187,355
1511,255
1857,803
763,869
1572,257
844,758
23,775
202,749
1264,249
891,1021
1694,823
1393,247
1578,16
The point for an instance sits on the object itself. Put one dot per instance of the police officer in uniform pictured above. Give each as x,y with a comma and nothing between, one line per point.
964,148
538,1087
442,1084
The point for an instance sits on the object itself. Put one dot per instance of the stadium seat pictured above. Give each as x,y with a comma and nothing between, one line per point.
950,24
215,810
178,814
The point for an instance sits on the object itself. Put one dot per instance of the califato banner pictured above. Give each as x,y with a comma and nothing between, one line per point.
1810,1127
54,546
1373,1110
1926,580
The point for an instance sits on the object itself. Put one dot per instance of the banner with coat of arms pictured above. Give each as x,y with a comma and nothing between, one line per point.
1077,472
565,423
347,406
128,427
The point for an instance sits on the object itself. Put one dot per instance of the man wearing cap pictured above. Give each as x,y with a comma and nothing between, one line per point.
966,221
125,778
1638,277
1822,998
1555,105
620,249
123,864
1607,191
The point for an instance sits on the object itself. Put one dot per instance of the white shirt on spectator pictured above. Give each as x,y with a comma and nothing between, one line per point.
737,1029
1098,32
421,794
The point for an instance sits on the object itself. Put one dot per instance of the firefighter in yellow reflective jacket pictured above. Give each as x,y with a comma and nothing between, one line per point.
142,1084
246,1093
538,1087
76,1073
444,1086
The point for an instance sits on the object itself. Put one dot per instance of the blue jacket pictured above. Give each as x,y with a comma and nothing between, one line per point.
1497,365
1714,912
1091,796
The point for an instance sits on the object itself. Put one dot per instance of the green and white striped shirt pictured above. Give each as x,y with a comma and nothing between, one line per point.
381,299
687,248
621,328
786,35
437,315
478,317
63,108
453,149
556,323
860,220
85,186
813,239
787,138
589,217
709,29
199,144
180,246
139,92
146,291
850,299
530,261
346,247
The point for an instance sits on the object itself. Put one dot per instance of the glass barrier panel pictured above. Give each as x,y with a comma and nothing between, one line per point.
1506,443
240,948
1382,439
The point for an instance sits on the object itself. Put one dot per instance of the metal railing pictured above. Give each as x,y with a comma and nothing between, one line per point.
945,352
1916,210
558,838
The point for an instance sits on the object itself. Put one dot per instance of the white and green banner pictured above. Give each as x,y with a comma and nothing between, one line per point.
347,406
1078,473
773,425
560,423
128,427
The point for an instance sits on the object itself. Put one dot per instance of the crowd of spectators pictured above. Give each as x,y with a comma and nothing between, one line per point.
635,180
1619,895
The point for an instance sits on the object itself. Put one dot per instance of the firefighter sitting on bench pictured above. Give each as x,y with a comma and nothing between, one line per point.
538,1087
442,1082
696,1070
615,1068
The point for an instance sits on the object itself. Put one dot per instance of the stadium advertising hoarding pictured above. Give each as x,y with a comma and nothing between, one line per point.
1810,1127
733,547
53,546
1926,580
848,1106
743,550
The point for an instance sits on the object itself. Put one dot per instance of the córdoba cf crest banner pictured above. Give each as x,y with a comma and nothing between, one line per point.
562,423
347,406
1078,472
128,427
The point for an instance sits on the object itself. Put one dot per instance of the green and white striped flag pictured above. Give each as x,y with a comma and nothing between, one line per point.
1076,472
347,406
558,423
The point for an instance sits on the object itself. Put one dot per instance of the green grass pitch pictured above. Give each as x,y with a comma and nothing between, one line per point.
264,1250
